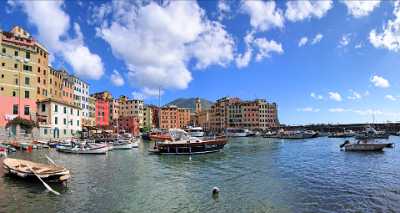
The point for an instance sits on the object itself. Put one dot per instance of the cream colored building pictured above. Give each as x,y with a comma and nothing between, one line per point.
129,108
148,118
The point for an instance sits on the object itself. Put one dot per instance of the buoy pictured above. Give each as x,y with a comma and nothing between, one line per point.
215,190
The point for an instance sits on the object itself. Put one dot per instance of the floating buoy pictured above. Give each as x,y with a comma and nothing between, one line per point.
215,190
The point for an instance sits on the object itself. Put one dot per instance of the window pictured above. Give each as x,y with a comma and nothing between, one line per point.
65,121
26,94
16,53
14,93
44,72
43,107
3,64
15,109
77,122
38,79
56,108
26,81
15,66
45,131
2,88
16,81
65,131
26,110
3,50
78,112
38,69
28,55
2,75
72,111
65,110
55,120
27,68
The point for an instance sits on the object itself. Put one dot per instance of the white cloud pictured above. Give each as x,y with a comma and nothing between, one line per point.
317,39
242,60
308,109
117,79
337,110
266,47
305,9
316,96
146,93
390,37
390,97
354,95
345,40
358,46
379,81
157,44
53,32
263,14
303,41
335,96
361,8
224,8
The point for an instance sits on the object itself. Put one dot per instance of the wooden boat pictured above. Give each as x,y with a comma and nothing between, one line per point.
364,146
84,149
183,144
47,172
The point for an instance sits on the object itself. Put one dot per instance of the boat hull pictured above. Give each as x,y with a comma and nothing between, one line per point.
365,147
203,147
96,150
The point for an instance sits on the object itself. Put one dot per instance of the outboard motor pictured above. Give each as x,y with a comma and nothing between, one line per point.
344,144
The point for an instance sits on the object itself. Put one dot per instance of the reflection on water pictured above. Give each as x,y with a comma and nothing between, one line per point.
253,174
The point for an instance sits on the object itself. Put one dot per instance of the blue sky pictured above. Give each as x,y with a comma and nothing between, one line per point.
321,61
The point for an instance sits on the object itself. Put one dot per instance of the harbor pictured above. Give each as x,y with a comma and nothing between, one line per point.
254,174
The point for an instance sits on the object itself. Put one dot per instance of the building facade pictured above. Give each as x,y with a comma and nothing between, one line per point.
18,56
102,108
131,108
128,124
174,117
57,119
148,118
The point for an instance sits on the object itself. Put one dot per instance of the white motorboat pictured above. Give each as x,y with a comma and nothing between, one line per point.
196,131
84,149
237,132
364,146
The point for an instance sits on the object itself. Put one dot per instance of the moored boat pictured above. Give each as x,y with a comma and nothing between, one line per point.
237,132
364,146
28,169
84,149
183,144
196,131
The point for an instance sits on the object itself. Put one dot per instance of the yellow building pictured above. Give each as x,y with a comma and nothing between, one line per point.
18,56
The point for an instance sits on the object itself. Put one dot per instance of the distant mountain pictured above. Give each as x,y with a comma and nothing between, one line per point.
190,103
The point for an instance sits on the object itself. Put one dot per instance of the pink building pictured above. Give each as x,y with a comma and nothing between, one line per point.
12,107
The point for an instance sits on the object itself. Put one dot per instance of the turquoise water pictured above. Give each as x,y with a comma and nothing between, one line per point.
253,174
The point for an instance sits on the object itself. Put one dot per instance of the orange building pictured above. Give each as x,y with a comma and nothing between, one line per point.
174,117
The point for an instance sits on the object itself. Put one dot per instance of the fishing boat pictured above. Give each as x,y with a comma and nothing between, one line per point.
296,134
84,149
160,136
183,144
196,131
371,133
364,146
29,169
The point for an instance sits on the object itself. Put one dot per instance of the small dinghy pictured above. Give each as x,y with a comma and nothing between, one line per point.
364,146
85,149
29,169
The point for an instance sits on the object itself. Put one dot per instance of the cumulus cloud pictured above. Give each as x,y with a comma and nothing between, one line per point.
265,48
379,81
354,95
306,9
390,97
308,109
316,96
335,96
117,79
345,40
361,8
263,14
317,39
224,8
156,43
146,93
53,32
389,38
303,41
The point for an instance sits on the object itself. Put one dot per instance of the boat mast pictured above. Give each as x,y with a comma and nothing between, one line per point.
159,108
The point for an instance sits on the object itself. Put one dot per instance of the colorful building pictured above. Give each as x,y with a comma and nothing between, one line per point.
18,56
148,117
58,119
102,108
174,117
128,124
129,108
